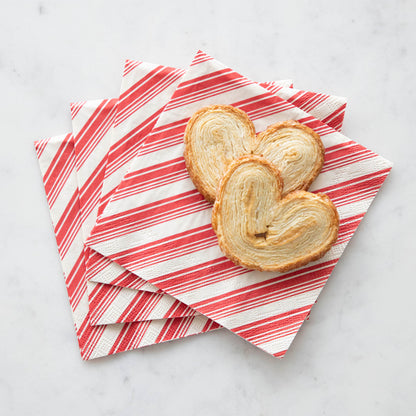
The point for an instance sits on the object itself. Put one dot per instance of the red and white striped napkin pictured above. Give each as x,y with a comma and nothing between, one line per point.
163,234
108,303
94,130
57,163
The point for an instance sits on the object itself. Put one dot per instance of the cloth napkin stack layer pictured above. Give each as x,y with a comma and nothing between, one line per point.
140,259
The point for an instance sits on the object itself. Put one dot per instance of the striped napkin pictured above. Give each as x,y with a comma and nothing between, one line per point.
146,88
90,126
65,162
108,303
162,232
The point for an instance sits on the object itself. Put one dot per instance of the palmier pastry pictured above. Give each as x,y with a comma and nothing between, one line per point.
259,229
214,137
295,149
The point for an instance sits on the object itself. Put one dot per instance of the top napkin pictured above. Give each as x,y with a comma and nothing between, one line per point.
164,235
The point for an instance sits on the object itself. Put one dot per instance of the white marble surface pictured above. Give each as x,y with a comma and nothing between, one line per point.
356,353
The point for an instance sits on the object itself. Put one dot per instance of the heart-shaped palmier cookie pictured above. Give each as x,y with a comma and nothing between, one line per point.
259,229
219,134
215,136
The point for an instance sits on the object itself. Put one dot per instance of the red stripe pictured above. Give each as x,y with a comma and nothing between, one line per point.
159,143
145,89
275,327
362,183
210,325
307,100
153,177
90,336
75,281
167,248
154,171
271,110
200,57
137,218
96,263
68,224
206,93
128,146
206,85
342,150
314,124
140,307
249,327
197,80
169,330
162,134
263,290
93,139
138,101
129,66
203,274
336,118
179,309
40,145
57,186
100,118
91,190
84,334
280,354
130,280
271,87
60,161
126,333
139,87
99,299
75,108
263,105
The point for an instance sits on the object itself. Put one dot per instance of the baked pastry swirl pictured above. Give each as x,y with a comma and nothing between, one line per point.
259,229
215,136
219,134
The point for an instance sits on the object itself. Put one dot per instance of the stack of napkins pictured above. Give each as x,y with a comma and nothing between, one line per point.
140,259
